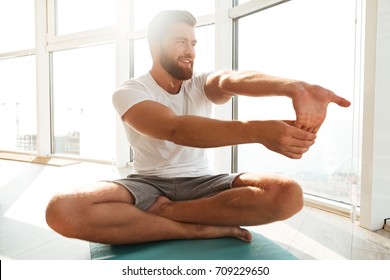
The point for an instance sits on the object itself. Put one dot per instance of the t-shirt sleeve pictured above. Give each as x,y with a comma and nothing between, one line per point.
200,81
128,95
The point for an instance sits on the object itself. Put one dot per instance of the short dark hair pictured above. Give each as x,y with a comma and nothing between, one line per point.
160,24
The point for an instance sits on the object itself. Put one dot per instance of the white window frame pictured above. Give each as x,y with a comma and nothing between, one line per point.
375,176
48,42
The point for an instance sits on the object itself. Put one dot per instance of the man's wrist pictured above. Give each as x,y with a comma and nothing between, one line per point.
295,88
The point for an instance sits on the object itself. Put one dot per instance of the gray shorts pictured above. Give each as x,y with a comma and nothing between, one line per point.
145,189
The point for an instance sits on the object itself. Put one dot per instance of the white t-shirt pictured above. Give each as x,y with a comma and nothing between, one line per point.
157,157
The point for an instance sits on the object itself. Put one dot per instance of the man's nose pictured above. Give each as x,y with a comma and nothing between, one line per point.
190,50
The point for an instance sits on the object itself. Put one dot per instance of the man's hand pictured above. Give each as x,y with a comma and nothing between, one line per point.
311,103
284,138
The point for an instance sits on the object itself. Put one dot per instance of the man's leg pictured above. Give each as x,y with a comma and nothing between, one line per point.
104,212
253,200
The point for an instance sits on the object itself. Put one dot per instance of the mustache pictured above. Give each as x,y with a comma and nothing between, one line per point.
190,58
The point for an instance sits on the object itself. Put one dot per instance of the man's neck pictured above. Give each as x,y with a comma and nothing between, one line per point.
166,81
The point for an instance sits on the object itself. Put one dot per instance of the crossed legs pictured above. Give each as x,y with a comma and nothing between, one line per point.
105,212
253,200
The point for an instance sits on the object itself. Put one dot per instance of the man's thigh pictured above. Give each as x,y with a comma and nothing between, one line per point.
266,182
101,192
146,189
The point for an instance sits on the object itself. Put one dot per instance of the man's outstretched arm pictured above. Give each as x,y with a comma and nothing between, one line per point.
160,122
310,101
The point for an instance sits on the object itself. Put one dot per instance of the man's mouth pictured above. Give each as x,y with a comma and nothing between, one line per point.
187,62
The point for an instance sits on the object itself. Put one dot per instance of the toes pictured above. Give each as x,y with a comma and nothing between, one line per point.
245,235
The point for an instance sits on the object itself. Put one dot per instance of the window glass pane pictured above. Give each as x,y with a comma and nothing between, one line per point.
310,40
145,10
205,48
80,15
16,25
142,57
17,104
84,118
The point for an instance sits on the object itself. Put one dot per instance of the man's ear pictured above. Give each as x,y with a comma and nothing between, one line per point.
155,49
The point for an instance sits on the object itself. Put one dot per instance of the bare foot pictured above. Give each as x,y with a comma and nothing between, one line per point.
245,235
206,231
198,231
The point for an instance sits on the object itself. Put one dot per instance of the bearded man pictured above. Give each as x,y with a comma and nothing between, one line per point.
166,114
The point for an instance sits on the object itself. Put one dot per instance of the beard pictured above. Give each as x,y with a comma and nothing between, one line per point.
174,69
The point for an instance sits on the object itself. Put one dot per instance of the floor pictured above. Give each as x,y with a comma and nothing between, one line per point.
25,189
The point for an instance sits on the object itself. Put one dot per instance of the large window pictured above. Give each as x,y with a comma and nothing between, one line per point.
61,60
82,78
147,9
17,104
18,14
83,83
311,40
17,76
75,15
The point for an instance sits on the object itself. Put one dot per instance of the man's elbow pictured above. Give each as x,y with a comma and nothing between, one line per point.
217,87
226,82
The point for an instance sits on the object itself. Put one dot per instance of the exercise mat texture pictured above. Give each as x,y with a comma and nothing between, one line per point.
261,248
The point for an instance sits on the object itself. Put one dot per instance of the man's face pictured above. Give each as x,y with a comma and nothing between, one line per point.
177,51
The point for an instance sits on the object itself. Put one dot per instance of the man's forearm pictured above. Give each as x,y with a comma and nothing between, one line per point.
255,84
202,132
278,136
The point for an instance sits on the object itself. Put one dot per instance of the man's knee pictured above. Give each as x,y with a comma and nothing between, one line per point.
289,199
60,215
284,197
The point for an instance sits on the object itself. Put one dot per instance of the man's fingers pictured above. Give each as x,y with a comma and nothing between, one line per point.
292,155
313,129
298,144
295,152
291,123
303,132
341,101
305,135
290,140
298,125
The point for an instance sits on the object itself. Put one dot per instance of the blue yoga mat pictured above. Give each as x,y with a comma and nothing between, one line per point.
261,248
